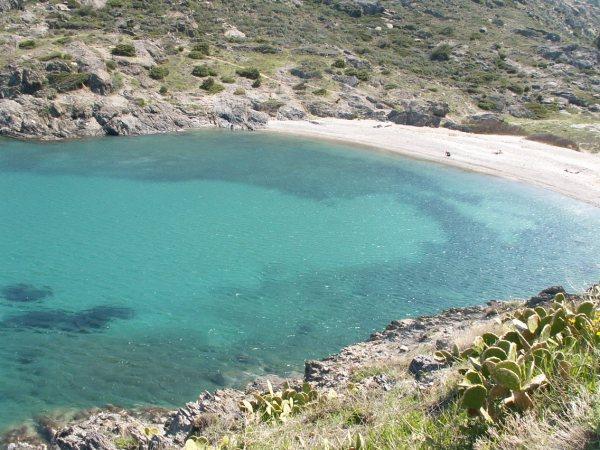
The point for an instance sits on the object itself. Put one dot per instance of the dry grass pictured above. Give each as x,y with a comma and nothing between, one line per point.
567,431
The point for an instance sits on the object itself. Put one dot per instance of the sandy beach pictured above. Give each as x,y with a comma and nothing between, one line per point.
566,171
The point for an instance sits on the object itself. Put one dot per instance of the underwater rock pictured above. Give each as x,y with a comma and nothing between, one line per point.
22,292
59,320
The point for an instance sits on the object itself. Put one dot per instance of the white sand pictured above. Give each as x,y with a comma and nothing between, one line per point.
571,173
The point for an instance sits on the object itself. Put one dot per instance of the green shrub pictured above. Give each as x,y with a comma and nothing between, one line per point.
55,55
361,74
320,92
279,406
503,371
27,44
66,81
111,64
211,86
204,71
541,111
257,83
163,90
441,53
488,105
249,72
159,72
239,91
202,48
339,64
228,79
123,50
516,88
196,55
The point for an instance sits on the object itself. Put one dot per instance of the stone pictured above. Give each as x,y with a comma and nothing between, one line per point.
546,295
6,5
420,114
234,33
423,364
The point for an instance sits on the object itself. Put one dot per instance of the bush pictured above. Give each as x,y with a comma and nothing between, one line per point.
503,372
123,50
271,105
249,72
517,89
55,55
202,47
266,49
27,44
111,64
159,72
441,53
257,83
362,74
204,71
552,139
196,55
211,86
494,126
488,105
239,91
163,90
339,64
320,92
541,111
65,81
228,79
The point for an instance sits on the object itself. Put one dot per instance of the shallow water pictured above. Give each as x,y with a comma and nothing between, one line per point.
143,270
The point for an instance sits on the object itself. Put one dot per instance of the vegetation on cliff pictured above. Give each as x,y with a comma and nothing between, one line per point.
533,64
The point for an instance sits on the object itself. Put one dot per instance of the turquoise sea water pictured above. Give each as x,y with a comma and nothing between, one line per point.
143,270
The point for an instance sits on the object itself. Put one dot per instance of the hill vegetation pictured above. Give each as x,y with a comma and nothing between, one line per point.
531,64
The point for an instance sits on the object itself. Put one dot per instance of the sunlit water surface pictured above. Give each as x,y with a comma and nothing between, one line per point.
143,270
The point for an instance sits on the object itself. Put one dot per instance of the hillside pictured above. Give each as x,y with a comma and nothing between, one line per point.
94,67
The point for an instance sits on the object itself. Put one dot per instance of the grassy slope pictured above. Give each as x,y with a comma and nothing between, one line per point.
566,414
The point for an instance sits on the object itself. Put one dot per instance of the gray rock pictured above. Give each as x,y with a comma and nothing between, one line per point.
420,114
546,295
6,5
290,112
351,81
100,81
237,114
423,364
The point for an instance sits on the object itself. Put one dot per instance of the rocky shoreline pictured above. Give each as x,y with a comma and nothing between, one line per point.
413,340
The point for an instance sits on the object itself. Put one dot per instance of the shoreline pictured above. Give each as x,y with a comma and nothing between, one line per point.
568,172
401,341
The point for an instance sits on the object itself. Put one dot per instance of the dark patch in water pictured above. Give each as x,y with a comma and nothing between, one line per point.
59,320
23,292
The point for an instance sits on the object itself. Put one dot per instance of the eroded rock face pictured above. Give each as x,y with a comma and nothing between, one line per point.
237,114
100,81
419,114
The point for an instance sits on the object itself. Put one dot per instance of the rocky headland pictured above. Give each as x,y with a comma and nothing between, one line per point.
409,342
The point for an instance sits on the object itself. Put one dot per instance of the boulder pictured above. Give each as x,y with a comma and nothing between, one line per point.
237,114
546,295
419,114
422,365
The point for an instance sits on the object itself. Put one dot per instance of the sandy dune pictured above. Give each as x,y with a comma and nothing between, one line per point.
562,170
